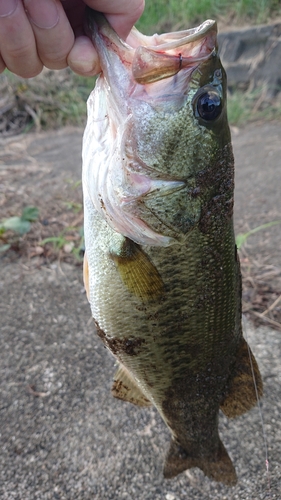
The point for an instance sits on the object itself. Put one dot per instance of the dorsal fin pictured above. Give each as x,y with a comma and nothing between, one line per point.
241,395
125,388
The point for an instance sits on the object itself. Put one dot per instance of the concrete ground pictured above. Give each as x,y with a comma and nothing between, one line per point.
62,434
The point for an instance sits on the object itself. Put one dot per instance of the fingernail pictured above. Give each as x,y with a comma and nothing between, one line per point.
7,7
43,13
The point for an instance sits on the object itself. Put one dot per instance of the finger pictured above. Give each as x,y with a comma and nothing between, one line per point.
17,42
121,14
83,58
2,65
53,33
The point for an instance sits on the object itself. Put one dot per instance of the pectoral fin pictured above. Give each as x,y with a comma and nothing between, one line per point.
241,395
136,270
218,467
125,388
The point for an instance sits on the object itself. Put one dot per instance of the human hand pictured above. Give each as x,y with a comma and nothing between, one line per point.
37,33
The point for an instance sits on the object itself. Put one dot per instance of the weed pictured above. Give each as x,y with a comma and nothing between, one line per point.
71,205
74,184
13,228
51,100
241,238
161,15
243,107
58,241
69,243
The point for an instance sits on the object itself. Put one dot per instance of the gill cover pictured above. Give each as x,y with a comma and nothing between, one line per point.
137,81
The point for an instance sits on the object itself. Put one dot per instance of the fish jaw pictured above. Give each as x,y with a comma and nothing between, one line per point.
119,171
148,58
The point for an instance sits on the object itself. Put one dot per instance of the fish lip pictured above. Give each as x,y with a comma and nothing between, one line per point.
96,22
187,36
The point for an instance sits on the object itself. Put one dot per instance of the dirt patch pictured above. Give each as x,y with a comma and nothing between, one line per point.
43,171
261,296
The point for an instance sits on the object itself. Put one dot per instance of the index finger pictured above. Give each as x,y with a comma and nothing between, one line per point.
121,14
17,42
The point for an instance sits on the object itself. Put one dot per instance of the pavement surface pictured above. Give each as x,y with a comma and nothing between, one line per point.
62,434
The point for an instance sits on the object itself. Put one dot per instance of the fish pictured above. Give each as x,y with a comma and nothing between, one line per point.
161,267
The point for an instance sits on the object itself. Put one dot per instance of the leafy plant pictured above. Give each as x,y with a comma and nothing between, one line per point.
76,207
19,225
78,250
67,243
58,241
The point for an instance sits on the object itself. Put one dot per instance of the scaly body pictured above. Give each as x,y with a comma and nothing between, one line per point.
161,269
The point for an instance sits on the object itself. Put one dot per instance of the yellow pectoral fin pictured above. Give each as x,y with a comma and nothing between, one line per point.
136,270
125,388
86,276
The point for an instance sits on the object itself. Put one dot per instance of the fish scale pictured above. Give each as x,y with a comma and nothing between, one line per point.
161,267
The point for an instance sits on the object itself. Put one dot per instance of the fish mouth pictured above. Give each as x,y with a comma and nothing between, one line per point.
174,52
156,57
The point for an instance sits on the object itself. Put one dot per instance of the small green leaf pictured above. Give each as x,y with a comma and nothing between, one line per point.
77,184
17,224
30,214
76,207
241,238
4,248
58,241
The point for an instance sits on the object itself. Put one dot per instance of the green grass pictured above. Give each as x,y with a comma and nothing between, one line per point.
51,100
13,228
163,15
248,106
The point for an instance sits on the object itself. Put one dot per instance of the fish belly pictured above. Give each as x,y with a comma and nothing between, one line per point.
180,346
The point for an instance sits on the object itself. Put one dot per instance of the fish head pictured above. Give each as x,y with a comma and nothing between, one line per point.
157,139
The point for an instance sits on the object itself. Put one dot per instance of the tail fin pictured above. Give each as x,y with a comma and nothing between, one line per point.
219,467
241,395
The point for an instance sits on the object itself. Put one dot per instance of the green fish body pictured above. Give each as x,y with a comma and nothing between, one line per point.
161,266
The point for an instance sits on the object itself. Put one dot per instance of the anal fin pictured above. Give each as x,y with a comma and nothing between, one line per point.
241,395
218,467
125,388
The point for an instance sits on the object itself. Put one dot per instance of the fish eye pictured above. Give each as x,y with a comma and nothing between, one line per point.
208,105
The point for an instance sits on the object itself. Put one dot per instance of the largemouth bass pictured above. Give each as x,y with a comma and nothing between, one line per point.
161,267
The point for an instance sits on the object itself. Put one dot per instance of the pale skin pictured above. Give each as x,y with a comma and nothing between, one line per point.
37,33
